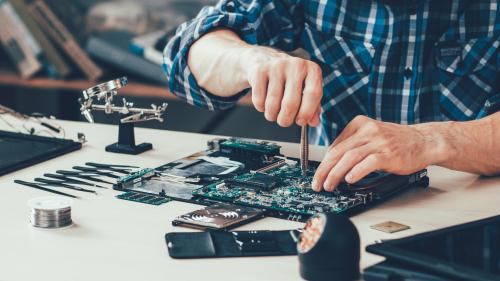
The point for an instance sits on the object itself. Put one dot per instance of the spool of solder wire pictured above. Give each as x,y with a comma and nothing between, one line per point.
50,212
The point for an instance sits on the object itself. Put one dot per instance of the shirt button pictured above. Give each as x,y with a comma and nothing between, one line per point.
412,9
407,73
230,6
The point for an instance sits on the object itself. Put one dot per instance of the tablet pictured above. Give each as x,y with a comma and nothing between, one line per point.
468,251
18,151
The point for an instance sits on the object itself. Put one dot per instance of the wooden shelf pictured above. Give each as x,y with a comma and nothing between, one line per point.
133,89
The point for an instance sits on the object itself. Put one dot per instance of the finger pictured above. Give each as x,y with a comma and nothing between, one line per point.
259,88
316,118
349,130
368,165
274,96
291,98
331,158
344,165
311,96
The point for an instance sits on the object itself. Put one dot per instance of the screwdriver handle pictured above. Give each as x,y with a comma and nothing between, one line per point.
99,165
61,184
36,186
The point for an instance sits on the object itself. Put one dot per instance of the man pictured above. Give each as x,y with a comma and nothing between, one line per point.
376,69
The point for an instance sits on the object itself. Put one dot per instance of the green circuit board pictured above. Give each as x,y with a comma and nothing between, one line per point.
282,190
263,179
235,145
143,198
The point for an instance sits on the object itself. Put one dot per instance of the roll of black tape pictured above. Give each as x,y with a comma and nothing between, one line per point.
329,249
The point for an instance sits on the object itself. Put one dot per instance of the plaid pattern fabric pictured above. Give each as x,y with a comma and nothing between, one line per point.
405,62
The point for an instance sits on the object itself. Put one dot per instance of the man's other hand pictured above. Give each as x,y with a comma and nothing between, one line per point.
287,89
367,145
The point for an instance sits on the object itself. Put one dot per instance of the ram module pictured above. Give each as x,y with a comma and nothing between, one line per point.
143,198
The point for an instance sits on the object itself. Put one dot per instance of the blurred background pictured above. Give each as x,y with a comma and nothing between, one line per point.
62,47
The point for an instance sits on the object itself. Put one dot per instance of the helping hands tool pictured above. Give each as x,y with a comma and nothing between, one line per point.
40,187
128,114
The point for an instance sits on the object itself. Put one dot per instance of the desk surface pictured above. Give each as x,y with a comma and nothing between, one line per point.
119,240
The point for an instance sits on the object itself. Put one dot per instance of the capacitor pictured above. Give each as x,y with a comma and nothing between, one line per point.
329,249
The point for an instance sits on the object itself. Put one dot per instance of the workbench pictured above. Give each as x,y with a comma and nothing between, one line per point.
114,239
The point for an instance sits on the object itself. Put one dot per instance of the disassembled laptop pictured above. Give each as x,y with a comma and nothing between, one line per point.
254,174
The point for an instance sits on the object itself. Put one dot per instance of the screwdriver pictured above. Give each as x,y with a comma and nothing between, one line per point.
61,184
71,180
96,171
38,186
82,175
304,150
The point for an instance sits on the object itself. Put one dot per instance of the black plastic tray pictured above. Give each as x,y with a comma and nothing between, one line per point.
18,151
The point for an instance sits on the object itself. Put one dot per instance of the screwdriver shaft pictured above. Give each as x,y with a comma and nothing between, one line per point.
304,149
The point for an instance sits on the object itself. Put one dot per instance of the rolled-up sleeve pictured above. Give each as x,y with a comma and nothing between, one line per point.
275,23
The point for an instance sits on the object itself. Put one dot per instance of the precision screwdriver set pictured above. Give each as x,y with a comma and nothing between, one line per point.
87,179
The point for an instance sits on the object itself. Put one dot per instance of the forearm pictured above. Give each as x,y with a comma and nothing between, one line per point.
472,146
217,64
287,89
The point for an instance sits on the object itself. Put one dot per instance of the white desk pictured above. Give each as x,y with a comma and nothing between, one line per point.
119,240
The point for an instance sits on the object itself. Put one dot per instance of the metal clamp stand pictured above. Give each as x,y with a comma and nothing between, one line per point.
126,141
128,113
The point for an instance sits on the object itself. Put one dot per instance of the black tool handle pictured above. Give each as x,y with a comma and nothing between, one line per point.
61,184
99,165
95,170
67,179
85,169
49,181
36,186
68,173
56,176
72,180
82,176
49,126
118,169
92,178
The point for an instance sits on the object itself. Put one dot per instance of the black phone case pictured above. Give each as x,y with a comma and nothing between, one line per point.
220,244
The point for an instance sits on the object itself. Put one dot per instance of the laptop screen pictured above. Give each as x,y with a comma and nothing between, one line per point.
470,251
20,150
475,247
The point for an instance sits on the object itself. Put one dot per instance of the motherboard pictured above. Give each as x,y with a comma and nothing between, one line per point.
255,174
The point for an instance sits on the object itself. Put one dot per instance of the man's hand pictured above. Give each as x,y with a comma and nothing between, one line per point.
286,88
367,145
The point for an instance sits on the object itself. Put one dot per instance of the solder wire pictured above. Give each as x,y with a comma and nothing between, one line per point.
50,212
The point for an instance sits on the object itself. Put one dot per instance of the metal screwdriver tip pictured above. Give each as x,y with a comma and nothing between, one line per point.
304,150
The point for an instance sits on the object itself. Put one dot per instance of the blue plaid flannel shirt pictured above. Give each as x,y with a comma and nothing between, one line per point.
416,61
